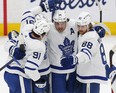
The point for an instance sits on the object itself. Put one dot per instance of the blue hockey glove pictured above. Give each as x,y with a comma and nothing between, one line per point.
69,61
51,5
19,52
55,4
13,34
44,5
47,6
112,72
100,30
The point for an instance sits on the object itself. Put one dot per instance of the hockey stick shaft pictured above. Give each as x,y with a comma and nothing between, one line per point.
100,10
13,59
100,16
6,64
111,53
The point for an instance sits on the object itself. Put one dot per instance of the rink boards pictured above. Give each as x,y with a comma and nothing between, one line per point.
16,26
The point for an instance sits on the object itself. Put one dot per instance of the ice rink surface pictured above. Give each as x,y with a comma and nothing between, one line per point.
109,42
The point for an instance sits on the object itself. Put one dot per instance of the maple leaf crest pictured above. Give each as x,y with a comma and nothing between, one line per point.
67,48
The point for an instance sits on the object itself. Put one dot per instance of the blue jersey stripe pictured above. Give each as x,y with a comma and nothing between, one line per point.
93,77
30,68
32,63
43,70
62,68
26,12
16,68
86,51
28,17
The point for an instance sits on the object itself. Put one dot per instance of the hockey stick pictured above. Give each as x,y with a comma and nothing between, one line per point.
22,48
13,59
100,10
111,53
6,64
100,16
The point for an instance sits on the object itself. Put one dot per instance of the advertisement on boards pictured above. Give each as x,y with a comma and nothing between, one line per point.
15,9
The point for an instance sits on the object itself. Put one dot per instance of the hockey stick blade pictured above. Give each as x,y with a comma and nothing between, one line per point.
6,64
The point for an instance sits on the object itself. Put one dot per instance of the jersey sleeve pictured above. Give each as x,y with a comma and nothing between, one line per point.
10,44
29,16
33,62
88,49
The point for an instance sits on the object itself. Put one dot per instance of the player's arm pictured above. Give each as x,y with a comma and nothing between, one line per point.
33,62
88,49
28,17
11,46
45,6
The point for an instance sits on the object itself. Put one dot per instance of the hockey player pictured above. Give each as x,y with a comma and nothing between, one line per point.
62,42
112,69
26,74
91,57
63,29
33,15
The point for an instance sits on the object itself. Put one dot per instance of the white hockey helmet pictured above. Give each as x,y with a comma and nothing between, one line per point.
84,18
59,16
41,27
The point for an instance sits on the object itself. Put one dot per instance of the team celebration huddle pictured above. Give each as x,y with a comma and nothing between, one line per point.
59,56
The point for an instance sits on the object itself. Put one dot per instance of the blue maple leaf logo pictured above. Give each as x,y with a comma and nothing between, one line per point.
68,47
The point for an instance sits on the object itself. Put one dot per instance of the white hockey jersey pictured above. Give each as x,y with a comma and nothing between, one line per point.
35,63
62,45
91,59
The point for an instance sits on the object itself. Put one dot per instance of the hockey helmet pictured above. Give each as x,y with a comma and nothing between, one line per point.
59,16
84,18
41,27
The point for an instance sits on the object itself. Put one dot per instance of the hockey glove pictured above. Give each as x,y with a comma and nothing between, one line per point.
46,6
100,30
69,61
18,52
41,83
50,5
112,74
13,34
